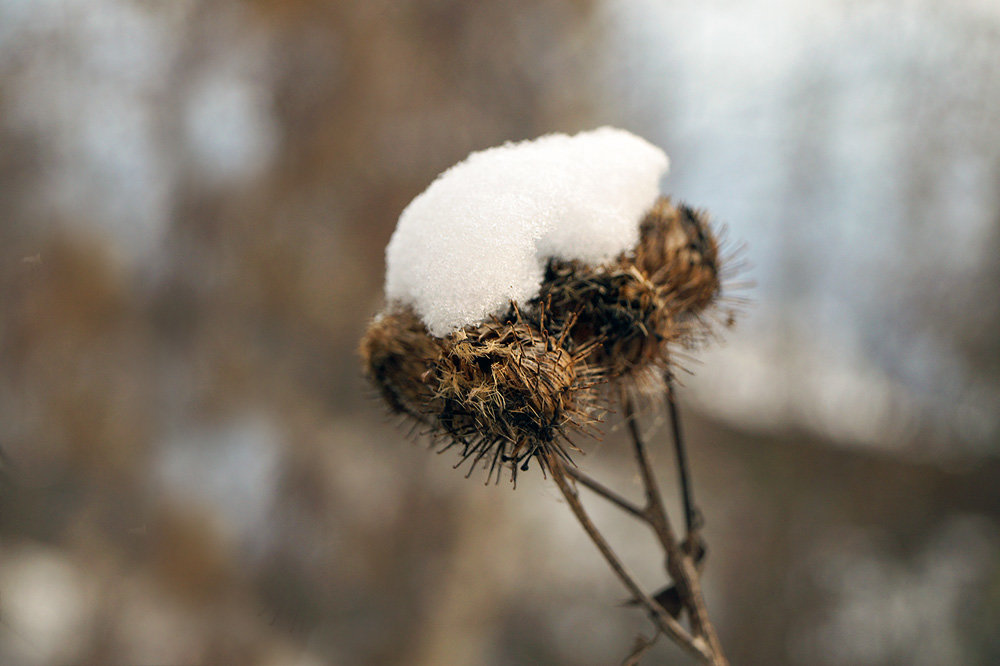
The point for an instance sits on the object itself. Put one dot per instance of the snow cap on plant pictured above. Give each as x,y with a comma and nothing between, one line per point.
523,278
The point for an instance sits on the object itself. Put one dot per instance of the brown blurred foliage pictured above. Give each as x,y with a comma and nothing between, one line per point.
193,472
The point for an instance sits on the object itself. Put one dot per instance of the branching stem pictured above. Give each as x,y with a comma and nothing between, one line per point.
702,642
606,493
663,621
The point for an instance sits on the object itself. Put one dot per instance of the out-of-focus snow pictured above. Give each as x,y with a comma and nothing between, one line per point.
480,235
854,148
230,468
45,602
94,87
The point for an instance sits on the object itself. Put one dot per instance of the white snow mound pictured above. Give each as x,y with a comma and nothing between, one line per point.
481,234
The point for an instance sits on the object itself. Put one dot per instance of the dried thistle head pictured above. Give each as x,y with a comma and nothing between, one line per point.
397,352
631,310
504,391
615,310
679,253
517,386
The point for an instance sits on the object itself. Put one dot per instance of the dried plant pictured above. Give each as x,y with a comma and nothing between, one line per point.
520,386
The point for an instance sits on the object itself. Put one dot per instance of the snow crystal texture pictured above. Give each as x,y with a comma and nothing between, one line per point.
480,236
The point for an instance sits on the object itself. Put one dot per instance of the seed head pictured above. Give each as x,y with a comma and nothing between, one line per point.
518,386
503,391
633,309
615,310
398,353
679,253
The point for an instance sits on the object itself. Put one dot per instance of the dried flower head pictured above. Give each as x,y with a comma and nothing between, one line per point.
614,308
525,275
398,354
679,253
632,310
517,386
504,391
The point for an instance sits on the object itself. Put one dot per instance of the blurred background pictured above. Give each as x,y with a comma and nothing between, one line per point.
194,202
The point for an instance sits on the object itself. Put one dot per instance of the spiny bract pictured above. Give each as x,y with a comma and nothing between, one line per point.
503,391
518,386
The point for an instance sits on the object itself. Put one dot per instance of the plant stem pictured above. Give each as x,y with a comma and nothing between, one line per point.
606,493
702,642
680,565
663,621
654,512
687,495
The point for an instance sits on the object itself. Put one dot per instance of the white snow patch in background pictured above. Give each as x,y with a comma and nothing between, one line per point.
46,599
230,468
838,156
118,117
229,130
889,609
480,235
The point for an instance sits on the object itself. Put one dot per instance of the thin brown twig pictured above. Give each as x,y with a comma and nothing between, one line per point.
606,493
687,495
702,642
680,565
653,511
696,646
641,647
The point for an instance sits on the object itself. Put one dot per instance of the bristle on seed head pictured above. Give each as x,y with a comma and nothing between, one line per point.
679,253
504,391
515,387
397,352
613,310
633,309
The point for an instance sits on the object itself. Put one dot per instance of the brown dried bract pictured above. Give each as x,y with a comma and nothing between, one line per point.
679,253
516,387
504,391
614,309
398,352
632,309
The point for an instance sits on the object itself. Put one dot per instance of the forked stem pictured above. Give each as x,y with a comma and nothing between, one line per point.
696,646
605,492
654,511
680,564
702,642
